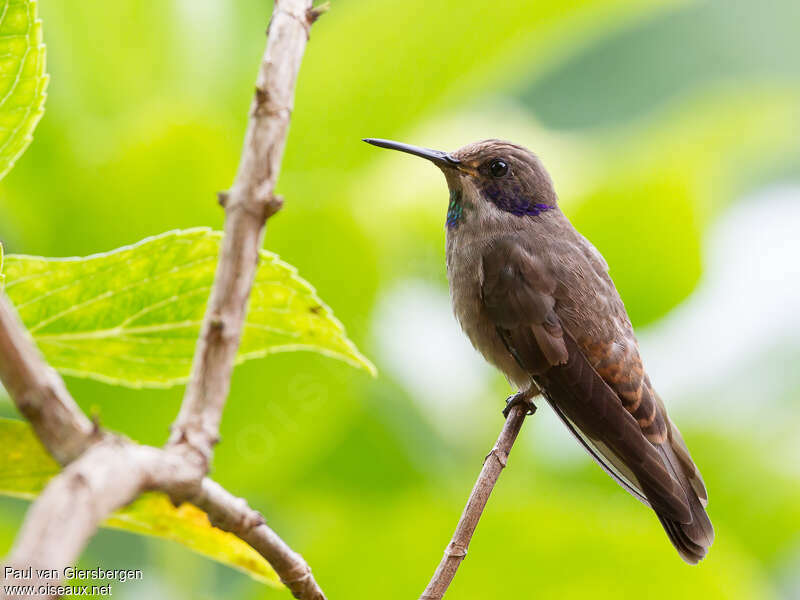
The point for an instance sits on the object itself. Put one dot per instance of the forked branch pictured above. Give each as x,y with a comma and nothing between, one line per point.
104,471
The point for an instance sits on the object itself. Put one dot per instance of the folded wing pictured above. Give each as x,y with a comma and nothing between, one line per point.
605,399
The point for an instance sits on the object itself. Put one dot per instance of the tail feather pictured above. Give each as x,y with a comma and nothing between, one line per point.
682,452
689,551
661,474
692,539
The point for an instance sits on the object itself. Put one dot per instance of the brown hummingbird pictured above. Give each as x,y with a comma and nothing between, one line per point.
536,300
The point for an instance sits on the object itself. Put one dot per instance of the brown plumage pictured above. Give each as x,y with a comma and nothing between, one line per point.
535,298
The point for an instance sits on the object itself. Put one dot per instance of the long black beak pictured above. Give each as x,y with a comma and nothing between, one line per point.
435,156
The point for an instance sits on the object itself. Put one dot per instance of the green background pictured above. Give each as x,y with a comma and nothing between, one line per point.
671,130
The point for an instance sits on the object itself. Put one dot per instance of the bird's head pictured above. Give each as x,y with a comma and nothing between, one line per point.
494,178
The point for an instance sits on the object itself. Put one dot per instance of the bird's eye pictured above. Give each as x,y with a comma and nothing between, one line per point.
498,168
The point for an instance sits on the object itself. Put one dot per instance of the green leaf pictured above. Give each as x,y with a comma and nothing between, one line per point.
25,469
25,466
132,316
153,514
22,78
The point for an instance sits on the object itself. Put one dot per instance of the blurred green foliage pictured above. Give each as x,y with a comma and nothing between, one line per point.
652,116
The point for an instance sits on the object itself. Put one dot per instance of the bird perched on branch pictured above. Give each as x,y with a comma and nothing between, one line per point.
535,298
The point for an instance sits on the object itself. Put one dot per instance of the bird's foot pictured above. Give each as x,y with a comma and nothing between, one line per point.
520,399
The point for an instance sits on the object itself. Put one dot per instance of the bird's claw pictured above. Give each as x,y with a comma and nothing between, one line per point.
520,398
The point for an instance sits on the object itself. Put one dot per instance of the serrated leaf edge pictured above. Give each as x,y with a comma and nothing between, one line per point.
357,359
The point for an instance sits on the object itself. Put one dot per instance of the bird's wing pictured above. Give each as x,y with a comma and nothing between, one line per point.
518,295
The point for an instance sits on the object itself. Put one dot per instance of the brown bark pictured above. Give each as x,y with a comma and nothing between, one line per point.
493,465
248,205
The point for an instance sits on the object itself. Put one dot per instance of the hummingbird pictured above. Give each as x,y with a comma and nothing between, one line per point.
536,300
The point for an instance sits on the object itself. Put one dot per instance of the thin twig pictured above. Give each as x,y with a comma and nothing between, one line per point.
39,392
494,463
248,205
230,513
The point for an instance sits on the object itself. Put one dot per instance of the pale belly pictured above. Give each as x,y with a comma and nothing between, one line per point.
464,275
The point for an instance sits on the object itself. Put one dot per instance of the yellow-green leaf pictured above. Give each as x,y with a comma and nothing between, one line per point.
25,469
132,316
153,514
22,78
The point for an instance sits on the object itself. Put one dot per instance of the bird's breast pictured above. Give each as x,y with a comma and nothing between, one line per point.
464,273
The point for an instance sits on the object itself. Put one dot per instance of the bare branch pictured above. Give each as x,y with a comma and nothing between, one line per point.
105,471
248,205
109,475
39,392
112,473
494,463
233,514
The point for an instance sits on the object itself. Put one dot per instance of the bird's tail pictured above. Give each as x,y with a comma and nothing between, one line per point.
691,539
